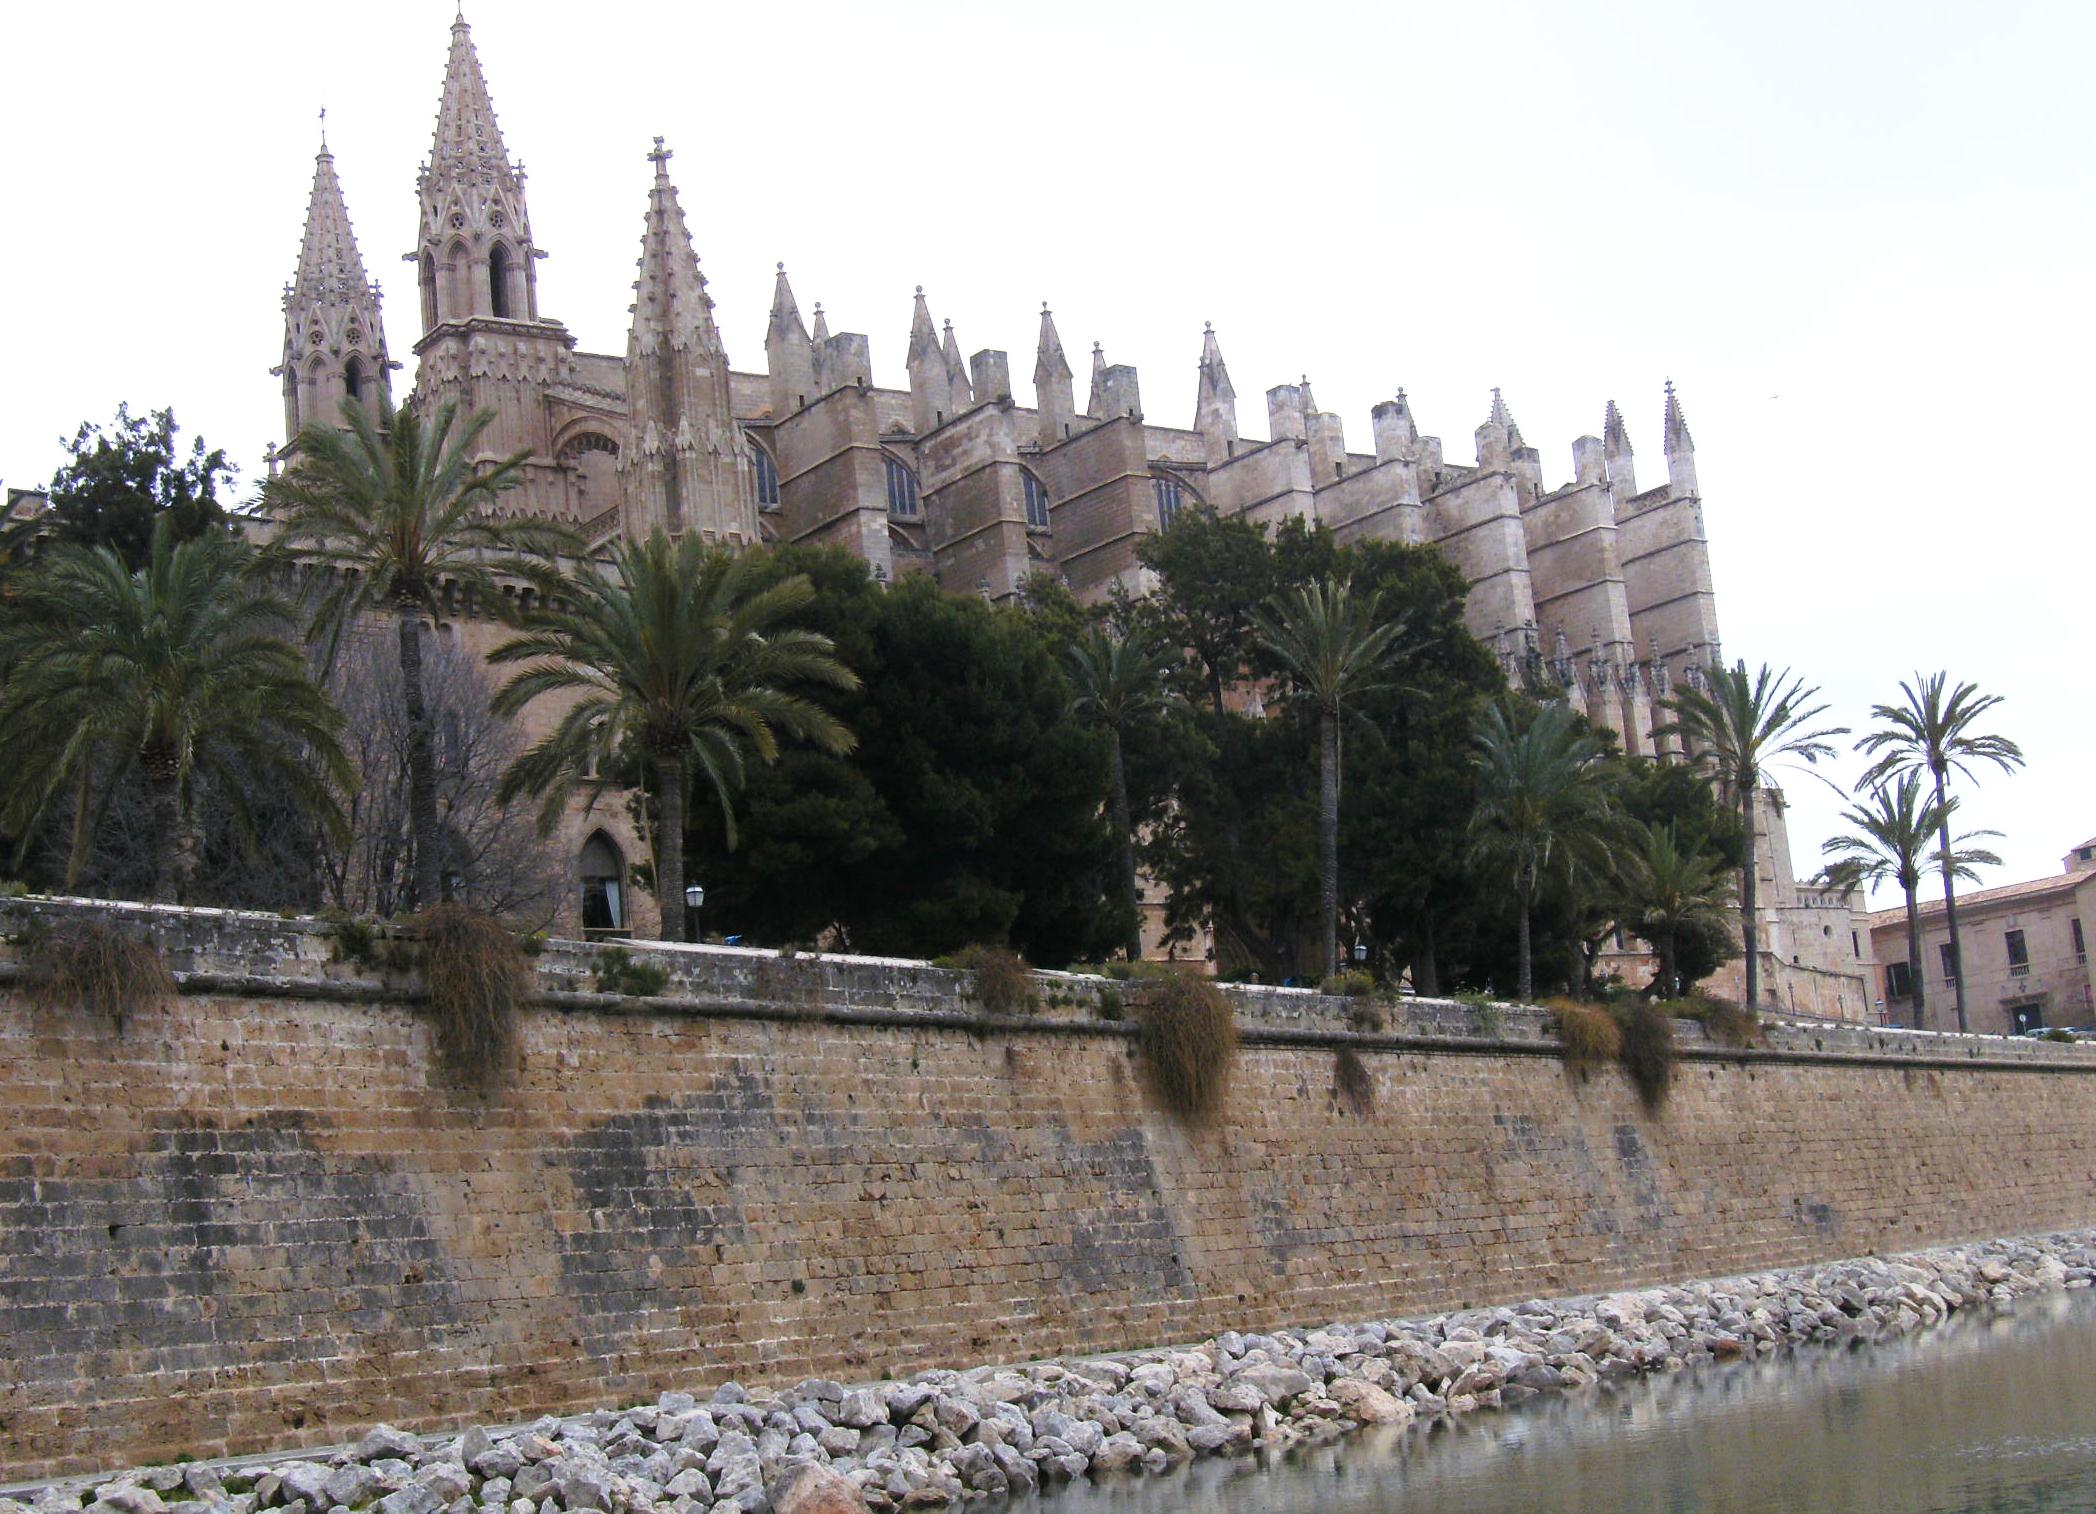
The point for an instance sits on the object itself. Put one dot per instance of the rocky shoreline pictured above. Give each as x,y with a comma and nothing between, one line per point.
945,1437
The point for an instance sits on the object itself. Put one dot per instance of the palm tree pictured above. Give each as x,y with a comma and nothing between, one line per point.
1544,810
177,665
1664,888
1737,727
395,512
1933,728
682,653
1119,679
1894,829
1336,648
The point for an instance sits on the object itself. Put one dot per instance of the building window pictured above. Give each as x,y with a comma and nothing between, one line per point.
1899,982
2081,949
1855,946
1950,963
1169,496
353,379
498,281
767,477
1036,502
603,886
902,488
2019,954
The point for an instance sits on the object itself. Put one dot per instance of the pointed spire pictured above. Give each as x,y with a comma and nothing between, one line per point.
1215,401
1500,415
1678,439
334,334
789,356
329,266
1049,353
785,314
957,378
467,135
924,336
1615,436
671,307
821,333
1215,377
1054,400
931,387
1095,404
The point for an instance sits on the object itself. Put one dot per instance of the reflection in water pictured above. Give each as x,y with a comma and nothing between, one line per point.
1991,1414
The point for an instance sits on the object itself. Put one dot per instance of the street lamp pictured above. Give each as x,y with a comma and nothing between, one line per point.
694,897
1360,951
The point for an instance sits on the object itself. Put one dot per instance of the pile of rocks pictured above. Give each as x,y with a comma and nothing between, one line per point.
945,1437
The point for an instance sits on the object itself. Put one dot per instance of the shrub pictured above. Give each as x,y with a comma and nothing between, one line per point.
1491,1021
1189,1041
354,940
618,971
1475,998
1352,985
2057,1034
999,981
1352,1083
1648,1050
90,966
1587,1036
1109,1005
1727,1023
477,977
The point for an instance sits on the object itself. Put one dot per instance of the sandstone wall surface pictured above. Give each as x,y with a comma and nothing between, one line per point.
255,1218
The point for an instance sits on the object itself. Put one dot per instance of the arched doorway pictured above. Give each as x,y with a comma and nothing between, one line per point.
603,872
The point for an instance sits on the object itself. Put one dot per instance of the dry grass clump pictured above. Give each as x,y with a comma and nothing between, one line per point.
1189,1041
1001,983
1352,1082
1728,1023
1648,1051
1588,1036
90,966
478,977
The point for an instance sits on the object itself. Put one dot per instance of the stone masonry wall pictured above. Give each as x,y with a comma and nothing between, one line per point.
255,1218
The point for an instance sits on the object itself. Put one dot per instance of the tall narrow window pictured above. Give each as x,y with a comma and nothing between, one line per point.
2074,934
902,488
353,379
1950,963
2019,953
427,277
767,477
1036,503
498,281
1169,495
603,886
1899,983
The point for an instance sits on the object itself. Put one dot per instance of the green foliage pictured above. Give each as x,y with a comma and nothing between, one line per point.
1367,1017
1666,891
999,981
618,971
122,480
174,671
354,940
1352,985
1189,1045
85,965
1491,1020
2064,1037
1648,1050
1109,1005
477,978
1727,1023
1587,1037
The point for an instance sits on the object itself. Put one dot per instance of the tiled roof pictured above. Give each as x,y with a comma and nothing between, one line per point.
2008,893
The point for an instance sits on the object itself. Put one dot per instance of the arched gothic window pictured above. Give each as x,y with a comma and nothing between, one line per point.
603,873
902,489
1170,496
767,476
498,281
353,379
428,279
1036,502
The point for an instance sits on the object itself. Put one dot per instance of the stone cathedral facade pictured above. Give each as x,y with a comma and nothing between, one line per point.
1596,586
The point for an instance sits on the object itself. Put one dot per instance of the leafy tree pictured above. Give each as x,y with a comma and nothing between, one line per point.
1668,886
1221,577
393,512
1894,827
1935,729
1119,680
1543,809
176,665
1337,647
1735,726
682,651
122,478
1654,794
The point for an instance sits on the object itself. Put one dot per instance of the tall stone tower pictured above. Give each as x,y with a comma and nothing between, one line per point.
686,466
484,344
334,339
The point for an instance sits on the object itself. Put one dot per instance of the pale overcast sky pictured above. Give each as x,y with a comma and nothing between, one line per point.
1857,236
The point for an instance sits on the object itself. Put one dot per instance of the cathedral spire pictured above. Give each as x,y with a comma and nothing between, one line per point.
1615,436
1054,400
789,355
931,388
1681,448
334,338
1500,415
1095,403
1678,439
957,379
476,253
1616,454
685,465
821,333
1215,401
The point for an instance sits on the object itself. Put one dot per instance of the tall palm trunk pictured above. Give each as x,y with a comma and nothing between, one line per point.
422,762
1124,833
671,778
1524,981
1915,974
1328,835
1749,926
1950,905
163,806
1669,976
83,824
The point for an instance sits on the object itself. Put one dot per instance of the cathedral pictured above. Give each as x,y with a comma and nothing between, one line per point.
1594,588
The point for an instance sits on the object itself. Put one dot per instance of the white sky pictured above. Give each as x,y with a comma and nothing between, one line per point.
1857,236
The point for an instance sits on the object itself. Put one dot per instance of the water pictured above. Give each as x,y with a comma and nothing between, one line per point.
1988,1414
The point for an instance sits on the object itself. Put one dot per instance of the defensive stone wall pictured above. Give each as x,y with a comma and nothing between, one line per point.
258,1217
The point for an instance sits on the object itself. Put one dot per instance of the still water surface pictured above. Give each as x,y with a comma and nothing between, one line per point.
1992,1414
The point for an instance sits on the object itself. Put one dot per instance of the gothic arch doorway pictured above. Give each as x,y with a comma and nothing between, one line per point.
603,880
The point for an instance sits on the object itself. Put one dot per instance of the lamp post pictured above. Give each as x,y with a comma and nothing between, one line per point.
694,899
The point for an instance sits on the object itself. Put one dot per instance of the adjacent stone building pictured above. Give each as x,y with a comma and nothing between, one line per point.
2025,947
